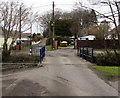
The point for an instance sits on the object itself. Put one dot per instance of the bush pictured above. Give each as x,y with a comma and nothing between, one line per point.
20,59
48,42
36,59
108,59
5,55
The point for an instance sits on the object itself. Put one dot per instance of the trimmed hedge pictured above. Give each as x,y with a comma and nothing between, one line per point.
5,55
22,59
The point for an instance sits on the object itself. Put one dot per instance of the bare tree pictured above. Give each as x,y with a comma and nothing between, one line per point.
45,21
14,19
112,15
66,15
46,18
100,31
75,30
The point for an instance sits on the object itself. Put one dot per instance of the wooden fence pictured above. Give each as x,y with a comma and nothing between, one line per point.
110,44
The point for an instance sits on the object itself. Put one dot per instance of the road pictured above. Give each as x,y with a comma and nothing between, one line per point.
62,74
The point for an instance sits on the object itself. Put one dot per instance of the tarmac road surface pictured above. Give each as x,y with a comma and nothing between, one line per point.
62,74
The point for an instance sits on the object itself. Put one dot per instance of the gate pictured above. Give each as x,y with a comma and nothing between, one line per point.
38,50
42,54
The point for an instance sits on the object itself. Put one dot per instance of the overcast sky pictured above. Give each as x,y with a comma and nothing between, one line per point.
42,6
66,5
45,5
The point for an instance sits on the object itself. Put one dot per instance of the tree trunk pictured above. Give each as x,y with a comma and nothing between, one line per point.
5,52
105,46
5,47
11,46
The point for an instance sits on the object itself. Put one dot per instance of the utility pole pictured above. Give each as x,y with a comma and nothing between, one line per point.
49,29
50,35
53,35
20,30
31,34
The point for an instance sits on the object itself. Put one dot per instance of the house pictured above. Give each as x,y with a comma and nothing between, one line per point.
2,39
25,38
112,34
88,37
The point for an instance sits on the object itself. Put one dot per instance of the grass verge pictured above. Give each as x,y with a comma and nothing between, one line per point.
65,47
49,48
107,70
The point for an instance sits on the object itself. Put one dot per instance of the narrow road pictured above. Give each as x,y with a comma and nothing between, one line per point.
62,74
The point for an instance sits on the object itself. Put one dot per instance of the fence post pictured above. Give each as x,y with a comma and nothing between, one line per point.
42,54
30,50
86,53
83,52
34,49
92,55
78,51
44,51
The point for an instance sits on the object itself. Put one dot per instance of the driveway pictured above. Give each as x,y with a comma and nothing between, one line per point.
62,74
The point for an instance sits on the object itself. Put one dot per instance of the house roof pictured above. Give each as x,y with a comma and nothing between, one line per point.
13,34
26,35
113,31
23,35
89,37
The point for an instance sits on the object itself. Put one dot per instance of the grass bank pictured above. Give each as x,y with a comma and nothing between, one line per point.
49,47
107,70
